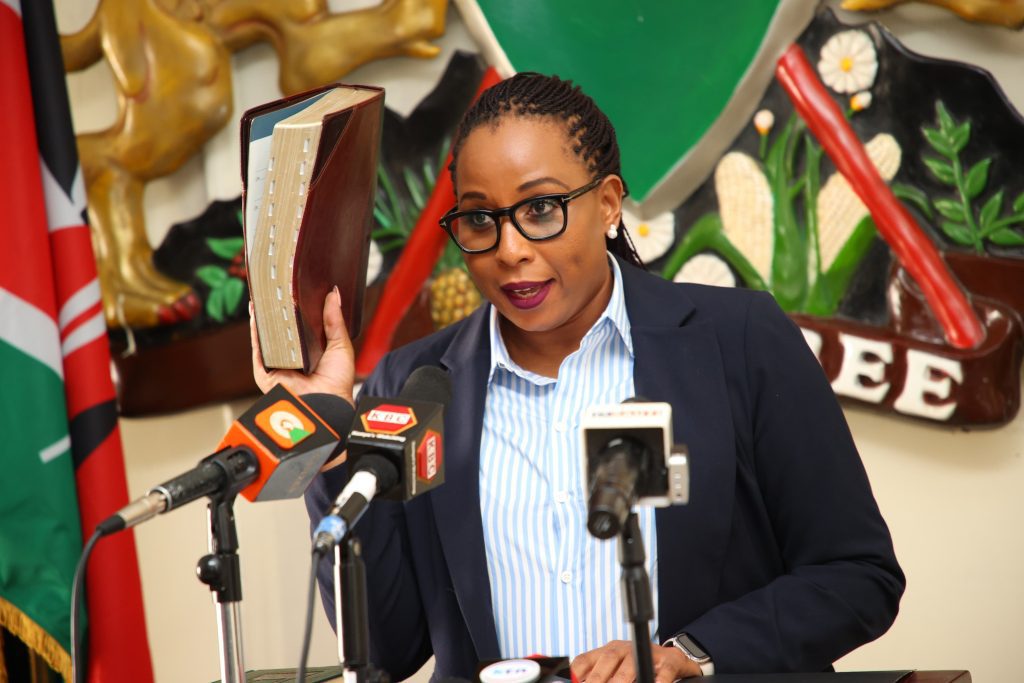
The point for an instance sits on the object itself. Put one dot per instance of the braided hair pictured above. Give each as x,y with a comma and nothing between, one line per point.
592,134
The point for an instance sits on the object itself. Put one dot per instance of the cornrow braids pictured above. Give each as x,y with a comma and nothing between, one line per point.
530,94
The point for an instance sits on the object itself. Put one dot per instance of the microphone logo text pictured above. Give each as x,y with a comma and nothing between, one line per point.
285,425
429,455
388,419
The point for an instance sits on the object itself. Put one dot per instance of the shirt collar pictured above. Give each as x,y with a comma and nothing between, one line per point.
615,312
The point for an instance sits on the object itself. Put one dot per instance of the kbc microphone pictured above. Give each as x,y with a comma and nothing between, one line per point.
395,451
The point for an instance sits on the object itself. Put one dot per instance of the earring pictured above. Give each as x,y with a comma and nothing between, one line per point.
612,232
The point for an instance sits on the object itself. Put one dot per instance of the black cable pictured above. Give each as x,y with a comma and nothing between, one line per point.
77,675
307,634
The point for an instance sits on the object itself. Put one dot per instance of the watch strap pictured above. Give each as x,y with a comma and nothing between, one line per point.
704,663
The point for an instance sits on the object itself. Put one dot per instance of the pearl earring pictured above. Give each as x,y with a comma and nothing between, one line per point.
612,232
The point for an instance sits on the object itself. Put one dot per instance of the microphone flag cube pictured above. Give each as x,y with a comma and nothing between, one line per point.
407,432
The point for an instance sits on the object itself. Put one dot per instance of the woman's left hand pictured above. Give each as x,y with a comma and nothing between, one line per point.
614,663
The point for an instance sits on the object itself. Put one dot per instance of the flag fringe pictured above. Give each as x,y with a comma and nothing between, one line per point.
36,638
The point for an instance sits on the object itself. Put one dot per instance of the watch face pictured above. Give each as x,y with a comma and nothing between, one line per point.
691,646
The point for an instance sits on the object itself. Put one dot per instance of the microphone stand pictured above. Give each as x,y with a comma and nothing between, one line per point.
220,569
351,614
636,594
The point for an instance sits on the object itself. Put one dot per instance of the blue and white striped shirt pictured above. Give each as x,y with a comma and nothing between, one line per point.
554,587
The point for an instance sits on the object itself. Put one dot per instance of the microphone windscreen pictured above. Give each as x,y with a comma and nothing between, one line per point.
383,469
428,383
335,412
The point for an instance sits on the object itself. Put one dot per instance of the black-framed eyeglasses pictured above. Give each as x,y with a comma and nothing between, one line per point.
539,218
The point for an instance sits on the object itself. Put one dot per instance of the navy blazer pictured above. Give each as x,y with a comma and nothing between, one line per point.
780,562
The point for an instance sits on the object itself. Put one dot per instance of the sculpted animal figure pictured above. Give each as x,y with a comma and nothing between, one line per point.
171,63
1004,12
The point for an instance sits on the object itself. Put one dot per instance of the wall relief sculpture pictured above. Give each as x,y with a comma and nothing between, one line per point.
172,70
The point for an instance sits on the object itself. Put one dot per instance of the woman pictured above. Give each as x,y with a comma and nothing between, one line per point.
781,561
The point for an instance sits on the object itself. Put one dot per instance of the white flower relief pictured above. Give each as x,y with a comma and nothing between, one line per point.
848,62
763,121
706,269
651,237
861,101
374,263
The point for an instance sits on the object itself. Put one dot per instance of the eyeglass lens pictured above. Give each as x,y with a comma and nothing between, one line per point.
538,218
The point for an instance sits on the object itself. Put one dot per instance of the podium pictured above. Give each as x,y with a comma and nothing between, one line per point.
908,676
313,675
334,673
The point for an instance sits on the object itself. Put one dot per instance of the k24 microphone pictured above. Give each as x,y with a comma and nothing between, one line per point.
272,451
629,458
395,451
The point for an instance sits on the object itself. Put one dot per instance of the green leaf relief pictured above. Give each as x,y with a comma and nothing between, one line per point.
977,178
706,235
827,292
383,218
789,260
951,209
791,146
914,196
215,304
213,276
233,290
945,120
415,187
226,248
384,233
775,162
812,186
697,239
392,245
939,142
1018,203
990,211
959,233
960,135
1007,238
941,170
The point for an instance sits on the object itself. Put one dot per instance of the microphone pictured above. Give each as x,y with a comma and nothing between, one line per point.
395,451
272,451
629,458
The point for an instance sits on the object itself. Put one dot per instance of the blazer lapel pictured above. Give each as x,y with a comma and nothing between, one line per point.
678,360
457,503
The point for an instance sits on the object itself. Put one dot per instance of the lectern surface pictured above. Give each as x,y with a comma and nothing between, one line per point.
313,675
334,673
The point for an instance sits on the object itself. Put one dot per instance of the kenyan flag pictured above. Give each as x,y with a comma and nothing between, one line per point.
60,450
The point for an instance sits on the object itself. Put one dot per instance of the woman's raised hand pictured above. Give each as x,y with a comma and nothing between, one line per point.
334,374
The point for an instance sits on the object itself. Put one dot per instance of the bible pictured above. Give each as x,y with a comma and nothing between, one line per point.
309,174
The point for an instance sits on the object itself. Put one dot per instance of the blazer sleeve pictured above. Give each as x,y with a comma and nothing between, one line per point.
841,584
399,641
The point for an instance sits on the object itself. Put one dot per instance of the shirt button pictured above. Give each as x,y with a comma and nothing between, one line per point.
561,496
560,426
565,577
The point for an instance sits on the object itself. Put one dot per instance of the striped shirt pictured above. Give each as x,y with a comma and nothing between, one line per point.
554,587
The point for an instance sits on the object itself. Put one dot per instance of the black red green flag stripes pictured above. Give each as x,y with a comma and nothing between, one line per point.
61,465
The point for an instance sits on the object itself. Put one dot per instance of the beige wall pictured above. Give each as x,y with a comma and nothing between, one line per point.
951,498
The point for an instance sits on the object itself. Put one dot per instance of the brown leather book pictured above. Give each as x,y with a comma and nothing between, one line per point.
309,176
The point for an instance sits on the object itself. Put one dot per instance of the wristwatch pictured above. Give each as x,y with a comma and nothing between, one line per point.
694,652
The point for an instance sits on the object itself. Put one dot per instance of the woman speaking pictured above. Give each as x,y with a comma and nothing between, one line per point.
780,562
